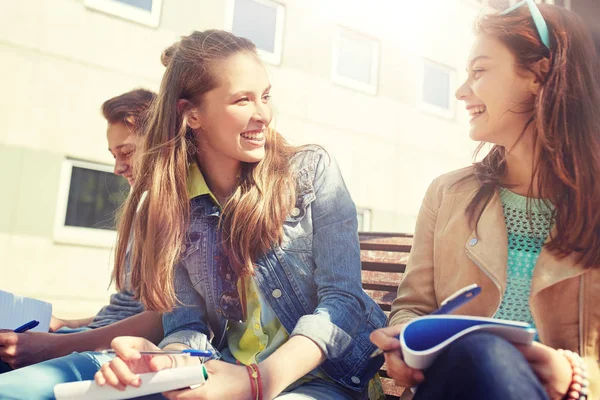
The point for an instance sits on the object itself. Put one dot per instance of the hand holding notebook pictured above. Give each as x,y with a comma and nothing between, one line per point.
423,338
153,382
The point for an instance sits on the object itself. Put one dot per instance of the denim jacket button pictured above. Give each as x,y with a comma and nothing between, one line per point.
276,293
473,242
355,379
183,248
295,212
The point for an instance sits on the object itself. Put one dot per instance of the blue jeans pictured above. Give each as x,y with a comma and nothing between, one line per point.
481,366
36,382
318,389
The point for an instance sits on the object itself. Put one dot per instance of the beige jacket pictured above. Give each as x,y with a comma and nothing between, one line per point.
447,255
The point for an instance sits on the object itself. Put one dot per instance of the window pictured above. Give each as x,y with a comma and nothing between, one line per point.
145,12
260,21
364,219
88,199
436,91
355,61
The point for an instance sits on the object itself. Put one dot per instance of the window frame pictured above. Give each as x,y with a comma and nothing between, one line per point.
449,113
267,56
128,12
76,235
368,88
367,218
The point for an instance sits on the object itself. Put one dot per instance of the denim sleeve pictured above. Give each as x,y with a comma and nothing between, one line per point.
123,304
336,254
186,323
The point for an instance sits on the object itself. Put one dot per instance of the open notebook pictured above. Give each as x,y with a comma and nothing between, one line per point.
17,310
425,337
154,382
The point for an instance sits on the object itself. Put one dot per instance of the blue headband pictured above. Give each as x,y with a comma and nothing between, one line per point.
538,20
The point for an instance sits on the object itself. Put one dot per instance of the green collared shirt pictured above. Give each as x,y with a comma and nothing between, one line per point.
196,184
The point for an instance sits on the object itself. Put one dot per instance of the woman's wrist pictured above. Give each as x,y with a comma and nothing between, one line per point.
268,382
579,387
256,382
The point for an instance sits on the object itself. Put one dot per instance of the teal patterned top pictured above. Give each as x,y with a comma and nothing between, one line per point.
525,240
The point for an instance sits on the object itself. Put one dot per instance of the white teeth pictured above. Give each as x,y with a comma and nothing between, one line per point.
477,110
253,136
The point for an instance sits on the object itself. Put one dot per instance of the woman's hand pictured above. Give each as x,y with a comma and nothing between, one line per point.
387,340
123,370
552,368
225,381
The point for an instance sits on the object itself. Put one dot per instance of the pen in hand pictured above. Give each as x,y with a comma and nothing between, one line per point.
25,327
453,302
186,352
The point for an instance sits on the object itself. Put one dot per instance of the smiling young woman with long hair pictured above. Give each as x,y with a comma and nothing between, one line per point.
524,223
242,239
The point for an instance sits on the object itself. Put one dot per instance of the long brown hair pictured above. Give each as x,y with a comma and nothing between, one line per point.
565,125
253,216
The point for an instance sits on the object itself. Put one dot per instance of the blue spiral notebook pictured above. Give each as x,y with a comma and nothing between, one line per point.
423,338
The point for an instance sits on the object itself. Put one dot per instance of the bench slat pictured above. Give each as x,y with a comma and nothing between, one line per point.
377,280
363,236
383,259
397,248
391,390
384,256
382,266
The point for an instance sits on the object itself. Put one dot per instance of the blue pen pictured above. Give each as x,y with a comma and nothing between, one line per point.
25,327
186,352
459,298
456,300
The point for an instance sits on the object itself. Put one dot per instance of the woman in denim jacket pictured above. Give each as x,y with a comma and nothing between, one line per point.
248,245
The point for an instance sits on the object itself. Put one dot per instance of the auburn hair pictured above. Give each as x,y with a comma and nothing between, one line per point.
565,125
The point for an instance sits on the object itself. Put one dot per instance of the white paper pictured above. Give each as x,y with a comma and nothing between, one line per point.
16,311
156,382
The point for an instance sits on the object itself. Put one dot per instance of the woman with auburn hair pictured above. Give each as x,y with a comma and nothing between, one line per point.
247,244
523,224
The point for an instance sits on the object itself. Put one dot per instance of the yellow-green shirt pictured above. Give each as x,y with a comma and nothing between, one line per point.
262,333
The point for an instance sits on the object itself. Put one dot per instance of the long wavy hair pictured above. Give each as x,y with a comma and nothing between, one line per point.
565,125
253,216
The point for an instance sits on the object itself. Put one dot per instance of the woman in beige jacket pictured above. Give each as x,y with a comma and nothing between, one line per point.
523,224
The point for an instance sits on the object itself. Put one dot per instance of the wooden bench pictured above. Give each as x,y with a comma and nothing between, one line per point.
383,257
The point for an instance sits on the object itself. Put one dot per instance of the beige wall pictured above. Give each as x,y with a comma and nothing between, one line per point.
61,60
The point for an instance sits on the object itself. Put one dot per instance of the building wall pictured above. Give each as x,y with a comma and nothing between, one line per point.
61,60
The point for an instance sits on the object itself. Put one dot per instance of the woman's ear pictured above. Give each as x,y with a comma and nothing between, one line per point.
190,113
540,70
194,119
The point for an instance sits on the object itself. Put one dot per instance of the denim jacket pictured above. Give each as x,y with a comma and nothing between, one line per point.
312,281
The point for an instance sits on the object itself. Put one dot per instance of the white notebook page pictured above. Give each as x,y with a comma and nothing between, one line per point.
17,310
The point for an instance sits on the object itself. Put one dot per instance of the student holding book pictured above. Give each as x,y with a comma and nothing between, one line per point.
68,352
242,239
523,223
